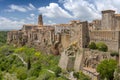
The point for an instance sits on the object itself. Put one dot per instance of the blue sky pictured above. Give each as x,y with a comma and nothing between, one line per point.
15,13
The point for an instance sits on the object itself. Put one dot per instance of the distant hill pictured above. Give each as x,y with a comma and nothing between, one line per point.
7,29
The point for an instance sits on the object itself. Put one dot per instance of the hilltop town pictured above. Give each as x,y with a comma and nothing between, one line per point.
72,40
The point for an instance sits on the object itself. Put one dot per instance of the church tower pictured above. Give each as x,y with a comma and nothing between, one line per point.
40,21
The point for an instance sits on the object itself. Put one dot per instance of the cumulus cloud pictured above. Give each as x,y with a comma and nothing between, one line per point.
79,9
20,8
31,7
54,11
31,17
90,9
6,23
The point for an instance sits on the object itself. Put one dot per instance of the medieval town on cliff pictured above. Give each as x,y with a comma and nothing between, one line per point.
58,38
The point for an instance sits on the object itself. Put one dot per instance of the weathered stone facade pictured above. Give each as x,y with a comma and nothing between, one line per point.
58,39
51,38
106,30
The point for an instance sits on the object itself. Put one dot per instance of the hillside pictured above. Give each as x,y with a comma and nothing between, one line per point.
25,63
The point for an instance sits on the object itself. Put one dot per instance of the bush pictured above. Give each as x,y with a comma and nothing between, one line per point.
102,47
114,53
3,36
92,45
31,78
45,75
117,74
57,71
1,76
106,69
80,76
21,73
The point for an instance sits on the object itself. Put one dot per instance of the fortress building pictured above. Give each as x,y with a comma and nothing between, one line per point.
51,38
108,30
58,38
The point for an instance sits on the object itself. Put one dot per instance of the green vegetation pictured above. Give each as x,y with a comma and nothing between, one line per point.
106,69
117,73
114,53
3,37
24,63
37,64
102,47
80,76
99,46
92,45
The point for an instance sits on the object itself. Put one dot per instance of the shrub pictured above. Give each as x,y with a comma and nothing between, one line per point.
31,78
1,76
114,53
80,76
3,36
21,73
102,47
106,69
92,45
57,71
45,75
117,74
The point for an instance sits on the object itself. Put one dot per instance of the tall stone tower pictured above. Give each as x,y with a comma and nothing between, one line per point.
40,21
108,22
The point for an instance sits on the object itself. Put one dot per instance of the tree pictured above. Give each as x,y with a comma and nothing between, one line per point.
21,73
92,45
28,52
114,53
1,76
102,47
80,76
106,69
117,73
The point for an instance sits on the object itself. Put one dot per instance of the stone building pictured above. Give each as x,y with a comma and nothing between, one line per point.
71,40
108,20
51,38
109,30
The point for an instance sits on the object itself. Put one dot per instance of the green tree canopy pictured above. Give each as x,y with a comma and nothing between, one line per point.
102,46
117,73
92,45
106,69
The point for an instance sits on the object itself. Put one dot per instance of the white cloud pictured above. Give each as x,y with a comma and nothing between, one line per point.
32,18
70,10
17,8
6,23
90,9
54,11
31,7
51,22
32,15
81,9
20,8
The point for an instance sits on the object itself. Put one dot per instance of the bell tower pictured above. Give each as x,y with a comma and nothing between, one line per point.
40,21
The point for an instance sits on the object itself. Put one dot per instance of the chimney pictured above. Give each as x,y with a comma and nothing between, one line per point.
40,21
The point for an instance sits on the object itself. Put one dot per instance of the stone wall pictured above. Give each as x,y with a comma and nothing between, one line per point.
110,38
108,20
